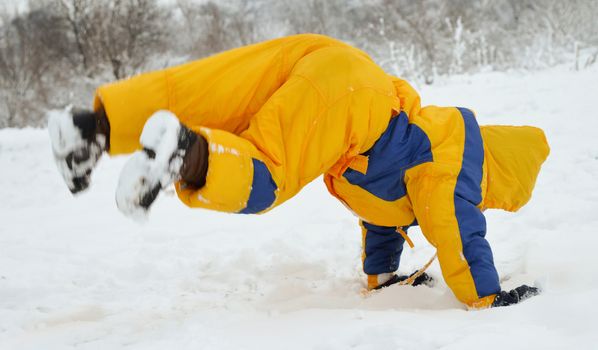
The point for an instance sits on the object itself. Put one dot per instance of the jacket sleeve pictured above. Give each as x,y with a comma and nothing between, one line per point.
237,181
452,223
446,196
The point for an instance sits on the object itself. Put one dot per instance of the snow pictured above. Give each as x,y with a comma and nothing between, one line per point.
75,273
142,173
66,139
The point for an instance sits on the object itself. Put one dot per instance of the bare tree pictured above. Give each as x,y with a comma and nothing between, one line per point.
60,50
119,34
25,58
213,27
80,15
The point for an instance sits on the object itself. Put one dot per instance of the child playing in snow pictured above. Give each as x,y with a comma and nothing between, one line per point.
245,130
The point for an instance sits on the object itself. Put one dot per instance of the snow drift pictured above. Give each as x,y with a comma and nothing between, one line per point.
76,273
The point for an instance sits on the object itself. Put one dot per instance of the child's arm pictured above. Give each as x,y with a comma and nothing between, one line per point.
456,227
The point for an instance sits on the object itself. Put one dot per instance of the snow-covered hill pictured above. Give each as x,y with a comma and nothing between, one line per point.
74,273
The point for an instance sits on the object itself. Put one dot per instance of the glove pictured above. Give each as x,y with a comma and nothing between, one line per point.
515,296
424,279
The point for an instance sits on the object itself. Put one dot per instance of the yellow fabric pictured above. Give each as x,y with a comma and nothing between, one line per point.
287,97
359,163
507,184
372,282
223,91
364,233
513,155
431,188
482,303
369,207
226,152
410,100
366,205
308,105
405,237
129,104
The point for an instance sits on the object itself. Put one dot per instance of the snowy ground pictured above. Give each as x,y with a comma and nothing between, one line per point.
75,273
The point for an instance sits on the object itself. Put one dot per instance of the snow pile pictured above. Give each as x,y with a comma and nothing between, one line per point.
76,273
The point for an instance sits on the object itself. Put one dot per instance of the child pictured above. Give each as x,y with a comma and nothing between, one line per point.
245,130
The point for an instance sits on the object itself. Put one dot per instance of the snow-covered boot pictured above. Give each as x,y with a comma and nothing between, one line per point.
171,152
78,137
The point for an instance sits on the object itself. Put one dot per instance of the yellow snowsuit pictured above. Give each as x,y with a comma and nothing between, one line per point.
280,113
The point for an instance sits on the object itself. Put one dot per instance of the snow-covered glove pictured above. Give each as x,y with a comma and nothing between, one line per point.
515,295
424,279
78,138
171,152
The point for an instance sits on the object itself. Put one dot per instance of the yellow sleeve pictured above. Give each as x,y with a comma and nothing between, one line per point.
446,195
464,254
238,180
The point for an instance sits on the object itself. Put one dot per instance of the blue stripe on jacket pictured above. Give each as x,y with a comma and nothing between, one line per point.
402,146
471,221
263,189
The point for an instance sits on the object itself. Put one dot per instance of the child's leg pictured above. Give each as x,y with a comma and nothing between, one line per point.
381,254
223,91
